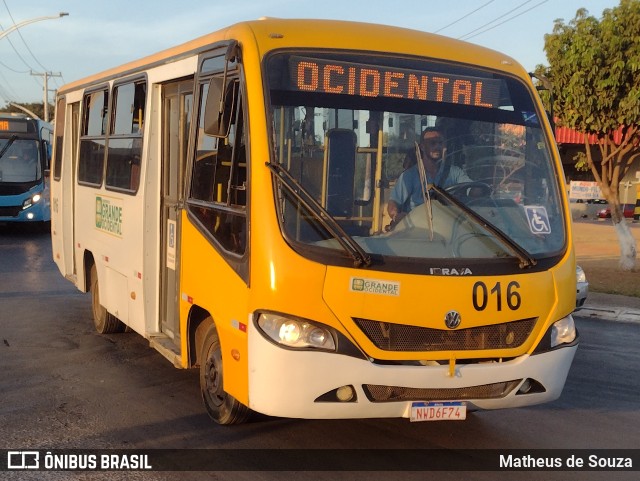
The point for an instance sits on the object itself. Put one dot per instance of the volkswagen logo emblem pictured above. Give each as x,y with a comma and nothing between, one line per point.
452,319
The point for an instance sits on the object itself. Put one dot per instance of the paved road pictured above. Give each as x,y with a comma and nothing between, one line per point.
64,386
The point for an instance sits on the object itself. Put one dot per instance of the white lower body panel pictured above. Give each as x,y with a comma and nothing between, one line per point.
286,383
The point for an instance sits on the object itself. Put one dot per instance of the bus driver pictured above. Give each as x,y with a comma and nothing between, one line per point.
407,193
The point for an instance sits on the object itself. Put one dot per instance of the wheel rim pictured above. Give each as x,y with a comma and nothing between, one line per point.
95,300
213,378
98,314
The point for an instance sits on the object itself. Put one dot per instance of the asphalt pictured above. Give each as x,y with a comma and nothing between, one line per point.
596,240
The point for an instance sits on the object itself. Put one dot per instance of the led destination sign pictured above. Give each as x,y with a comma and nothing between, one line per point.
322,76
12,125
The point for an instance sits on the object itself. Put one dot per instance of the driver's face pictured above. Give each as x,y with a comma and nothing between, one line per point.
433,146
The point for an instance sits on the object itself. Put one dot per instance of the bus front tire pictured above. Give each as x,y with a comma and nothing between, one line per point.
222,407
104,322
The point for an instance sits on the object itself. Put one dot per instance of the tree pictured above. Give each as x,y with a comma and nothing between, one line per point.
594,69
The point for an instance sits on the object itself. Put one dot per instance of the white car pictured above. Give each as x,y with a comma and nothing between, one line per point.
582,288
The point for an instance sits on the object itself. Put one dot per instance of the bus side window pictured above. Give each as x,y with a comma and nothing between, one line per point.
45,148
218,181
92,142
124,151
204,167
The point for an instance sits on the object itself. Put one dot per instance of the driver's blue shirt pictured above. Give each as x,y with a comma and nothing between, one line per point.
407,192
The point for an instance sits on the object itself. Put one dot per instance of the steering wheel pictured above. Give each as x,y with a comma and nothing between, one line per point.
470,190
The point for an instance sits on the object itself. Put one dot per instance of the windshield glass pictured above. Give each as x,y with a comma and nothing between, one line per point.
20,161
412,158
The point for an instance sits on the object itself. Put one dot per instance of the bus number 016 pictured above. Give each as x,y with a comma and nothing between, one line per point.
482,293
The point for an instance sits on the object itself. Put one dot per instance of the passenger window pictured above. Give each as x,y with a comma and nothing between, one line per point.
92,142
218,186
124,149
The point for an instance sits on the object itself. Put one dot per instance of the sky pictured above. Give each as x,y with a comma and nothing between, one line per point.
102,34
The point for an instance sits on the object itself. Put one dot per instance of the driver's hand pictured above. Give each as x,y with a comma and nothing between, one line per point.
394,222
476,192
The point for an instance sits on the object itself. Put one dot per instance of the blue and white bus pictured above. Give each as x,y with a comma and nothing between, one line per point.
25,152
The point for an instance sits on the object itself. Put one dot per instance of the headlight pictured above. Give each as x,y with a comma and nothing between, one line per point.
34,199
296,333
563,331
580,275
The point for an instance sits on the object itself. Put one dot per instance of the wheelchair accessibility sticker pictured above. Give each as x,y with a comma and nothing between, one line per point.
538,219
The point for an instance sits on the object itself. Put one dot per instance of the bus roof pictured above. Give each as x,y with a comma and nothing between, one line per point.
271,33
13,115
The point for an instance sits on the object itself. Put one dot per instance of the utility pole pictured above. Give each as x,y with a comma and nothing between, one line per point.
46,76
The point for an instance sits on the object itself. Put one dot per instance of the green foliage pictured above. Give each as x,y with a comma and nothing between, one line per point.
581,161
595,68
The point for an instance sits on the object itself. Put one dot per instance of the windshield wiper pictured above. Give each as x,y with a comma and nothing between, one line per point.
7,145
359,256
426,197
526,259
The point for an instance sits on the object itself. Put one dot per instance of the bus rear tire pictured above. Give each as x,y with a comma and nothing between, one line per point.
104,322
222,407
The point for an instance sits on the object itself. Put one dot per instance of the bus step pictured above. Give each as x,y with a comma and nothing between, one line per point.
165,346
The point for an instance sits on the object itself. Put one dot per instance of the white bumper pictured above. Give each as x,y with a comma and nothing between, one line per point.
286,383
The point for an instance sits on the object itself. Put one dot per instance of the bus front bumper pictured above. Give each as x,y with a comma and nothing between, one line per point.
303,384
22,208
27,215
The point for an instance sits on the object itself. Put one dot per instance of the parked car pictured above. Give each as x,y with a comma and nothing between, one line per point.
627,211
582,288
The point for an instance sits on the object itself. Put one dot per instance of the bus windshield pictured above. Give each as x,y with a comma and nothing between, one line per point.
355,131
19,161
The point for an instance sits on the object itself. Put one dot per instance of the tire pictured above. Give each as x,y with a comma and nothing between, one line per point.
222,407
104,322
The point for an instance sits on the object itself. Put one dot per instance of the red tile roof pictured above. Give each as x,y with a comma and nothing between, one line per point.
565,135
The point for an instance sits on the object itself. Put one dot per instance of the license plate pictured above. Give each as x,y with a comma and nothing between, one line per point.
438,411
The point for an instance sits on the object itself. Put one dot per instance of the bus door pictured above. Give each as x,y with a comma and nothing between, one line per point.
177,106
64,181
68,193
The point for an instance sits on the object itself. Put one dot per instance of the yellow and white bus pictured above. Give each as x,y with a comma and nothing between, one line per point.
227,200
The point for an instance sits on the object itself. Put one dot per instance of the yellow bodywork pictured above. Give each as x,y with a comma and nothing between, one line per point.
282,280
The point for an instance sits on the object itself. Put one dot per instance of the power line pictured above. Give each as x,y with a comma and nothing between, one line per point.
17,53
30,68
4,93
495,19
464,16
508,19
22,38
12,69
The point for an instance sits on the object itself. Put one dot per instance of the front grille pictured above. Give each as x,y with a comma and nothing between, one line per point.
13,188
11,211
376,393
405,338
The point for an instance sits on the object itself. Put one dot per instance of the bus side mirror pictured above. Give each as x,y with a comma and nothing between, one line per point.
219,108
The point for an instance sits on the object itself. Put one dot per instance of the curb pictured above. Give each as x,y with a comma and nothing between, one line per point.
609,313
